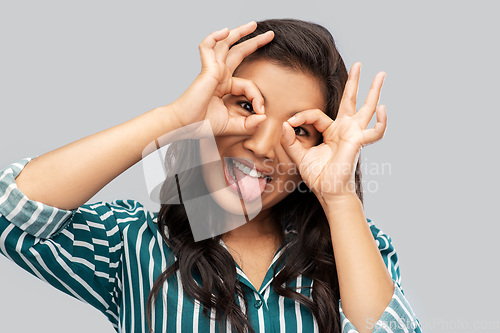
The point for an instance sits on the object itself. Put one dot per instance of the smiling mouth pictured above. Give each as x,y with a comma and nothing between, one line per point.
247,182
232,164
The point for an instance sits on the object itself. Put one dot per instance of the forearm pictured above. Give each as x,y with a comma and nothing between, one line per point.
69,176
365,285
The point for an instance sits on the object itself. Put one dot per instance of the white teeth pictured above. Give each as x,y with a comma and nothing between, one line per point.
231,172
246,170
253,173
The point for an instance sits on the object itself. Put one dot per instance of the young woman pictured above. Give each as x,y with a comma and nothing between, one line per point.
278,100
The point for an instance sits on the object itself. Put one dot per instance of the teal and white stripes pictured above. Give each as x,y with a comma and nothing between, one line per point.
30,216
110,254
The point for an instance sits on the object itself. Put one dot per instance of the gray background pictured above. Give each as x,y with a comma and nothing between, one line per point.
68,70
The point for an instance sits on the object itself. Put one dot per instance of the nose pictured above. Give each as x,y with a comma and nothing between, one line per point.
265,140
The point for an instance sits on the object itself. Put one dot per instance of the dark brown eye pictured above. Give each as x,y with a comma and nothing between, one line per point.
247,106
300,131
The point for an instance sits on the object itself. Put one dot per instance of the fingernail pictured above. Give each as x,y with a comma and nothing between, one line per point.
283,127
262,109
291,119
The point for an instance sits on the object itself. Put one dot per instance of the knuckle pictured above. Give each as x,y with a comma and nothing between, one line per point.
226,43
202,45
241,53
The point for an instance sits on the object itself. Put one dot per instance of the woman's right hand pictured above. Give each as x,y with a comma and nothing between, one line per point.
69,176
203,99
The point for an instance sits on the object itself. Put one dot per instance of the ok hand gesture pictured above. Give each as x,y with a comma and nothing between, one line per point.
203,99
328,169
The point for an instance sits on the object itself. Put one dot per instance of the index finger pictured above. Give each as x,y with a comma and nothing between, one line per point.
316,117
238,52
366,112
349,97
222,48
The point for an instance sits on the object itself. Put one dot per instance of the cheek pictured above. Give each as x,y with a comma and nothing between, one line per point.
223,143
209,150
289,184
290,178
212,168
283,185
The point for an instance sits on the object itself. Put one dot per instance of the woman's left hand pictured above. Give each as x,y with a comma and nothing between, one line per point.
328,169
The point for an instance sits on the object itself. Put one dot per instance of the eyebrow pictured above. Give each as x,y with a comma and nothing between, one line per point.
290,115
263,97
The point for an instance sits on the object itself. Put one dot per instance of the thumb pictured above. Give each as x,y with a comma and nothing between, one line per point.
240,125
291,145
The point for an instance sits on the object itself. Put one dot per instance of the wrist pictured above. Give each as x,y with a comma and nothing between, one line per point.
167,118
340,202
173,129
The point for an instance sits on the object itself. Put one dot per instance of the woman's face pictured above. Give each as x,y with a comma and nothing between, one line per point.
286,92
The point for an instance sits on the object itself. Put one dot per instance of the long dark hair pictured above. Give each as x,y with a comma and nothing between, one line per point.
207,270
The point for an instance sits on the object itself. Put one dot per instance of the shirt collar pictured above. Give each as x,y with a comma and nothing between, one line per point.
242,277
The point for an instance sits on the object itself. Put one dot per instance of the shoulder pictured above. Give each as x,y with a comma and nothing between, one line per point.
120,214
120,210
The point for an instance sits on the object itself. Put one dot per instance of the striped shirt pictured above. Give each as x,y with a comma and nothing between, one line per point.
110,254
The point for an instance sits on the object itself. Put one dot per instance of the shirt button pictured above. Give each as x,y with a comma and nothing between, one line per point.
258,304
